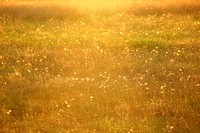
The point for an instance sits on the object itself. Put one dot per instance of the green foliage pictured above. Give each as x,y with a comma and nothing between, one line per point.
149,43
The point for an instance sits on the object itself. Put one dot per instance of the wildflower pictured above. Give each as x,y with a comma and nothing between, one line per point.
91,98
87,79
125,78
61,110
147,88
130,131
162,87
16,73
9,111
197,85
65,102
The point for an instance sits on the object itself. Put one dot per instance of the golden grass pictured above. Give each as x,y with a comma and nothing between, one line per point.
101,73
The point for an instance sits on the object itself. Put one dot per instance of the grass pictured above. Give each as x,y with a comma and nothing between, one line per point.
98,71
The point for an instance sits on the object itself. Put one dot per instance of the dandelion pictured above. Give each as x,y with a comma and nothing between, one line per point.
101,51
91,98
197,85
9,111
162,87
87,79
66,102
16,73
125,78
61,110
171,127
130,131
72,99
147,88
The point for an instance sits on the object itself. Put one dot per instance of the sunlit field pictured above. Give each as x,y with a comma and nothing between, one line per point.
107,66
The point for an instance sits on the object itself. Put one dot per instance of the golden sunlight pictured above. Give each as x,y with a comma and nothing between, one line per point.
99,66
100,4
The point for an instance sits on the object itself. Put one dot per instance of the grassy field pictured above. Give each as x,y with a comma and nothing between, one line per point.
104,67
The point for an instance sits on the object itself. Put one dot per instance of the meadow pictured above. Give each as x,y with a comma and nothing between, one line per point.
100,67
